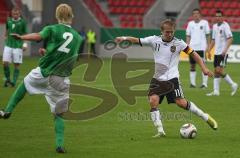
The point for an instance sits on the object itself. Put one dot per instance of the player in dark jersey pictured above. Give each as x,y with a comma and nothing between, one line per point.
51,76
13,49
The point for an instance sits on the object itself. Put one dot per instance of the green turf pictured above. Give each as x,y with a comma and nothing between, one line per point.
30,132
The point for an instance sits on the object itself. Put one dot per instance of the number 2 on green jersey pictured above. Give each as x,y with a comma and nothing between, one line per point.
68,37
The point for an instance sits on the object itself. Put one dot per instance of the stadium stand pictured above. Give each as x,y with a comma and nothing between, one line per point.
230,9
130,12
4,11
99,13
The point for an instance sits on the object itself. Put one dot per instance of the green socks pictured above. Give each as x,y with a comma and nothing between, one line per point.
59,130
6,70
16,97
15,75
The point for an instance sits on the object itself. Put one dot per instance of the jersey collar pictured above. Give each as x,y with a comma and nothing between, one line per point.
167,41
17,19
65,24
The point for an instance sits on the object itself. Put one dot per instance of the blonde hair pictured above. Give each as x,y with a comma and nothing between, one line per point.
168,22
64,14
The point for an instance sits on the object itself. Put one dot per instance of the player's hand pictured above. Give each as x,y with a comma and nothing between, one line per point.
15,35
24,48
209,56
206,71
42,51
224,53
120,39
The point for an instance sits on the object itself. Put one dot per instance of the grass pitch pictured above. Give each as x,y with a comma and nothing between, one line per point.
126,130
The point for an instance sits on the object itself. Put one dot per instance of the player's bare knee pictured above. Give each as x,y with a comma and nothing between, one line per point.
181,103
154,100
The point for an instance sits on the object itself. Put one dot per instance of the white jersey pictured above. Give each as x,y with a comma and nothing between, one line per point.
166,56
197,33
220,34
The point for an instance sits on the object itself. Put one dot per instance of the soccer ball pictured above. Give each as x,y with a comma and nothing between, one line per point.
188,131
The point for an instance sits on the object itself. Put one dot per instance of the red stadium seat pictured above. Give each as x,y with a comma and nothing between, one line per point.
210,4
203,4
233,5
226,5
228,12
123,18
212,12
205,12
141,3
236,13
218,4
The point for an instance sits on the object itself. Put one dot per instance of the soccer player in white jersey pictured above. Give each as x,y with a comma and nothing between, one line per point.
222,39
198,38
166,51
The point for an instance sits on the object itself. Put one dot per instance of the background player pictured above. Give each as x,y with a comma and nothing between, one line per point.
222,39
198,38
13,50
51,77
167,50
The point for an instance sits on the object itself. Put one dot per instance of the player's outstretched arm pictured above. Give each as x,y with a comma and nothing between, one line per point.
198,59
127,38
28,37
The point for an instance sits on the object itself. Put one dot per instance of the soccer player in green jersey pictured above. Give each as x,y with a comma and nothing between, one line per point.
14,48
51,77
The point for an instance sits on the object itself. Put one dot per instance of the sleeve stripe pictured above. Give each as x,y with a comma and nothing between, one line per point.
188,50
191,52
140,42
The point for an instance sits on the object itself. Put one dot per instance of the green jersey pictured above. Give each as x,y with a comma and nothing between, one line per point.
63,43
15,26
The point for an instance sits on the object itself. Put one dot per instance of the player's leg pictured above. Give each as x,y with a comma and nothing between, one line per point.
59,131
7,58
15,73
227,77
190,106
154,100
156,115
216,80
57,97
193,72
17,60
204,77
53,100
217,77
14,100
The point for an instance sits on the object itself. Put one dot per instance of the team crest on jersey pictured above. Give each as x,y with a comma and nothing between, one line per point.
13,26
173,49
201,27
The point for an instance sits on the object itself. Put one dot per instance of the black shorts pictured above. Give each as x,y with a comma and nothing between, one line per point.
220,60
172,89
200,53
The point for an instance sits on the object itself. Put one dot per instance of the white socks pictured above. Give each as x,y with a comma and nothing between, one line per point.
193,77
204,79
216,84
194,109
156,118
228,79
